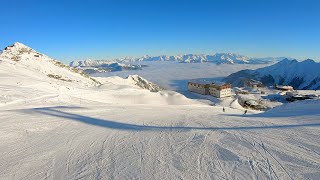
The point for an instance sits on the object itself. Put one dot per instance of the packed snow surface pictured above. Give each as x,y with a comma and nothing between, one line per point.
56,129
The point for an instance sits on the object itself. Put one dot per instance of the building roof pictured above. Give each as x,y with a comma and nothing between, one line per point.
223,86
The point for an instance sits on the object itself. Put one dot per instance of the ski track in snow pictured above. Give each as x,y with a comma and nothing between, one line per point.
73,150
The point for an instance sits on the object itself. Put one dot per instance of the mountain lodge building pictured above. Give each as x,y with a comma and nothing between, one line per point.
215,90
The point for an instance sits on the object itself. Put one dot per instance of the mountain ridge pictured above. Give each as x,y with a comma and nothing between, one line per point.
300,75
218,58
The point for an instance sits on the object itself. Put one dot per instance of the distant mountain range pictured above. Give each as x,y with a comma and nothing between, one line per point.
100,66
218,58
300,75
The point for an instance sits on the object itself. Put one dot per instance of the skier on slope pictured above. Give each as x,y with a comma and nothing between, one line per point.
245,112
223,109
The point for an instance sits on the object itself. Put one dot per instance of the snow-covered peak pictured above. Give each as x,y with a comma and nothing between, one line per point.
75,63
90,63
16,49
231,57
19,52
18,45
29,61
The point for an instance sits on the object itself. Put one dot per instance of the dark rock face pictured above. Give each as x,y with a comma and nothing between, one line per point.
312,83
296,82
267,80
281,80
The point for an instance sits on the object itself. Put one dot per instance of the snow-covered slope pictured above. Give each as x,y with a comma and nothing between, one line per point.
218,58
54,129
27,75
83,139
300,75
29,61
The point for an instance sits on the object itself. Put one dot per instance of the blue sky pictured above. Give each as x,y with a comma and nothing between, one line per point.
69,30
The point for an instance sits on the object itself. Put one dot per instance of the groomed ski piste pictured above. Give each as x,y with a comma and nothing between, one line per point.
69,126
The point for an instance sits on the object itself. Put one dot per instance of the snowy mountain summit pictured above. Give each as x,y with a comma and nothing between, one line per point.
17,49
22,57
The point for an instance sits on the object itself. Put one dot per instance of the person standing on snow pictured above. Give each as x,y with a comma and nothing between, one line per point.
223,109
245,112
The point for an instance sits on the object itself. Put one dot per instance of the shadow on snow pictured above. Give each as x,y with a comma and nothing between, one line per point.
57,112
